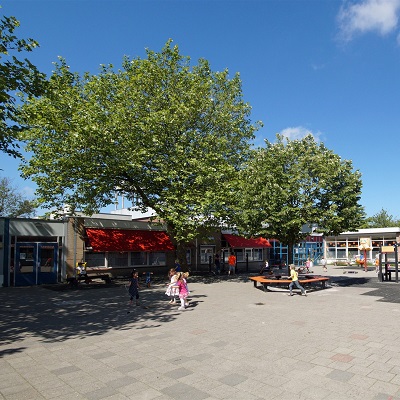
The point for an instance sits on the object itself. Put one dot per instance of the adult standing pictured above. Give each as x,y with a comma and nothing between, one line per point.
232,264
217,264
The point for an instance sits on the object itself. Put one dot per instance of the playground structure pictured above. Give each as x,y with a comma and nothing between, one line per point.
365,245
385,269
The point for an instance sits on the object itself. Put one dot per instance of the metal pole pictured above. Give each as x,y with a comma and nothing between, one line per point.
196,255
6,250
396,263
75,244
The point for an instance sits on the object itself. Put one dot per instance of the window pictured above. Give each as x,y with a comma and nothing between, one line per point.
331,252
138,258
341,253
257,254
239,253
95,259
254,254
157,258
118,259
189,256
205,254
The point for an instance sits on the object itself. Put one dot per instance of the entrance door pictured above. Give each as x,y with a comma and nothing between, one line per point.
25,264
35,263
47,261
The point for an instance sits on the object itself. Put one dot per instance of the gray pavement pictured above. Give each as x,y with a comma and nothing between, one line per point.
233,342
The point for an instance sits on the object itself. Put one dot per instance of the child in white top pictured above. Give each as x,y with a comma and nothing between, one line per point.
172,290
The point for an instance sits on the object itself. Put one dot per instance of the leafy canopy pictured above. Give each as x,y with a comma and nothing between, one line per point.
289,184
15,76
162,133
382,219
13,203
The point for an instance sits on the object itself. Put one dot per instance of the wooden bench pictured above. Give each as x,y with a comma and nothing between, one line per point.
271,281
87,278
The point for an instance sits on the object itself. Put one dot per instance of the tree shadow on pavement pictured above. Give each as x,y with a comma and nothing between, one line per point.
59,314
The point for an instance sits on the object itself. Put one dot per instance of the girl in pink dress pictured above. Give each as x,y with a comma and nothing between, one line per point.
183,291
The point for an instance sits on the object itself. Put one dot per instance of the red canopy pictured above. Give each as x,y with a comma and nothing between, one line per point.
128,240
239,241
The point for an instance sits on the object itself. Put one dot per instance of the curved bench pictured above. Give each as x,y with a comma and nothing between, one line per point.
309,279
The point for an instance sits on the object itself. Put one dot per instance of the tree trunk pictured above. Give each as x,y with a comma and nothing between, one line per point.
181,255
290,256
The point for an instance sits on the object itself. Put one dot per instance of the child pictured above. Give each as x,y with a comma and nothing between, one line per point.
183,292
323,263
148,278
172,291
134,287
295,281
185,276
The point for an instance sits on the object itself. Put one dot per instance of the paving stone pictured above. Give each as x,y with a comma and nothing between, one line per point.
232,379
342,376
245,351
100,393
181,391
178,373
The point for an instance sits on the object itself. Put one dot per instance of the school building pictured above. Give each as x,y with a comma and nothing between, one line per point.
35,251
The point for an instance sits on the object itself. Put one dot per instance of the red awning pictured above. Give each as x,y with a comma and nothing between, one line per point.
128,240
239,241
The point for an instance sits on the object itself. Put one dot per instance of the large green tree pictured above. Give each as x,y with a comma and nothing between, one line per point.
166,135
16,75
292,183
382,219
13,203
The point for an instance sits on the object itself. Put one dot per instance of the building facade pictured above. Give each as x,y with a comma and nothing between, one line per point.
345,247
34,252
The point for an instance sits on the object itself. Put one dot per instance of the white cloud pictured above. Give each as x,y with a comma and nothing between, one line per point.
298,133
368,16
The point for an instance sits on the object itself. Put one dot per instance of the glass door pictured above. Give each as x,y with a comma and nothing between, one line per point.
35,263
47,261
25,264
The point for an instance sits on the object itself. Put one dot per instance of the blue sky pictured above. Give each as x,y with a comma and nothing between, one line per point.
330,68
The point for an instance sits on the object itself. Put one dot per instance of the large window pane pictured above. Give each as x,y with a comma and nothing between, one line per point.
330,252
95,259
239,255
118,259
157,258
257,254
138,258
205,254
341,253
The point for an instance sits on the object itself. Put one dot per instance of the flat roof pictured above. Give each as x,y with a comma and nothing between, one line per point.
394,229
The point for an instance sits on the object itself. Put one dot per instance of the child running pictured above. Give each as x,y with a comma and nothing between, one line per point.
185,276
172,291
134,287
295,281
